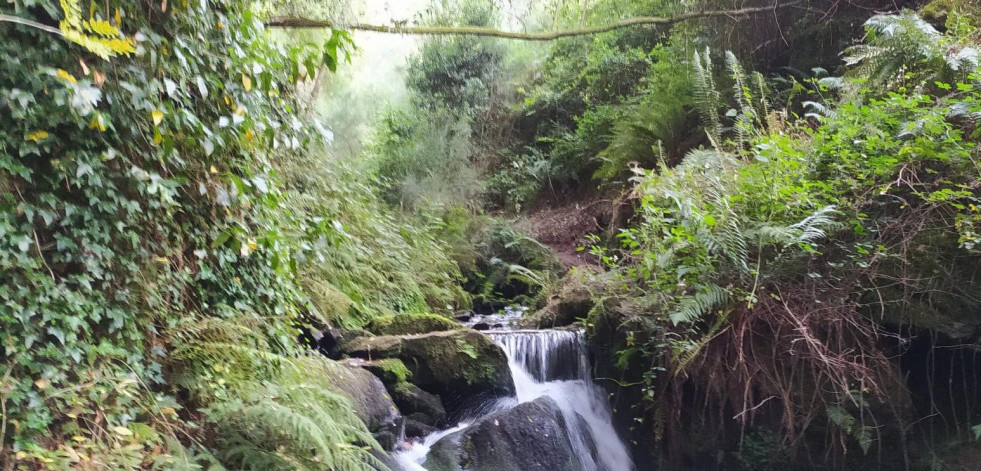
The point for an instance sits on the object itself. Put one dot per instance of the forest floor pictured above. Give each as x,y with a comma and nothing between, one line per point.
563,224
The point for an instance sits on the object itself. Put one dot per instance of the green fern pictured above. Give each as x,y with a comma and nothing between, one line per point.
269,407
904,43
693,307
708,100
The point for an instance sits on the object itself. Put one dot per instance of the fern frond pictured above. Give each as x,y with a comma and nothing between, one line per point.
693,307
708,100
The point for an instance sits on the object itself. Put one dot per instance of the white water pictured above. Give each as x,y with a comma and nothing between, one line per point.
413,458
536,359
553,363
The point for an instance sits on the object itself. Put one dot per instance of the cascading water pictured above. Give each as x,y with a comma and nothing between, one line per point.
554,363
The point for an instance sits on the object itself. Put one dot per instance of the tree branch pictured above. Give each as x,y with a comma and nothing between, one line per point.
289,22
33,24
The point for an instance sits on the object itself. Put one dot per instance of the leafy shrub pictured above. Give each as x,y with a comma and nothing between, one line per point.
147,288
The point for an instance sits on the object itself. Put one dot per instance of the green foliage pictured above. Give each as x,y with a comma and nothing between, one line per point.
821,204
904,48
149,287
357,258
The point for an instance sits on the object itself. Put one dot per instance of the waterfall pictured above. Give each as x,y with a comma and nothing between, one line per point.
554,363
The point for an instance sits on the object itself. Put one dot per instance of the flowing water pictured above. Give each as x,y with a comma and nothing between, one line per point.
552,363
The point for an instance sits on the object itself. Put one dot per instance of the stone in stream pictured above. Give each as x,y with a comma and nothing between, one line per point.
422,406
528,437
460,366
372,403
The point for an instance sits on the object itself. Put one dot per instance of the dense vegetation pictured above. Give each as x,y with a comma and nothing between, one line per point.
779,255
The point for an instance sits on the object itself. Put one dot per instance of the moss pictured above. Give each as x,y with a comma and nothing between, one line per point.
393,368
407,324
937,11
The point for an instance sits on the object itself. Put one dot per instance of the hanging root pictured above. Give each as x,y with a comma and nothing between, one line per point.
800,355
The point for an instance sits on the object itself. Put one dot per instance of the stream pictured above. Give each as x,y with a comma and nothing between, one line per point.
551,363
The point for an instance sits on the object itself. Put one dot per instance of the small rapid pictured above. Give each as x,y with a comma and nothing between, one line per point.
551,363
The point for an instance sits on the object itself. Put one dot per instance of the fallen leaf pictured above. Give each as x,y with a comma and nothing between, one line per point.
41,383
246,82
85,68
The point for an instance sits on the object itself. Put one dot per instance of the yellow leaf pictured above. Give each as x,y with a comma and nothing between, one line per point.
213,169
220,25
168,411
41,383
161,259
36,136
66,76
246,82
20,455
123,431
228,101
248,135
252,244
119,21
98,122
158,117
78,438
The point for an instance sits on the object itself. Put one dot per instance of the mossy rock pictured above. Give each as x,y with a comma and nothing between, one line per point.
571,298
390,370
405,324
937,11
455,365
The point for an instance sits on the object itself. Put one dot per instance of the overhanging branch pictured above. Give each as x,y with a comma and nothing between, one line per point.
289,22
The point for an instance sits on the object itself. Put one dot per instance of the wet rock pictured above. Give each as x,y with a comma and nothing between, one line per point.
528,437
418,428
411,400
454,365
373,404
386,439
405,324
463,317
330,342
481,326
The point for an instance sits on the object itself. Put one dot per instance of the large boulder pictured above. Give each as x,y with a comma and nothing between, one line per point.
456,365
529,437
373,404
405,324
